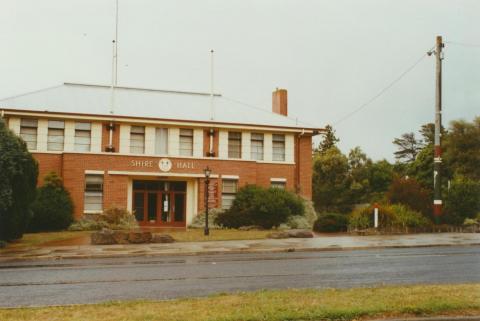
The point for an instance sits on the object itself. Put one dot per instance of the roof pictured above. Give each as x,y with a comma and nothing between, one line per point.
146,103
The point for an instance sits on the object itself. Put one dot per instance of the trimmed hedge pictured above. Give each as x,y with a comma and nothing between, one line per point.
331,222
53,207
262,207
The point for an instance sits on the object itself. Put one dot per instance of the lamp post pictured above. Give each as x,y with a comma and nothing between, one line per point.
207,171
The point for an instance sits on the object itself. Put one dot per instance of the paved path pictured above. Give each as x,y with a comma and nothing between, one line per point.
77,281
321,243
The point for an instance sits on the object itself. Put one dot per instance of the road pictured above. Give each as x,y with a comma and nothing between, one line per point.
39,283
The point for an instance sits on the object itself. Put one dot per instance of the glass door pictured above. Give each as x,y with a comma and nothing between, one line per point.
179,207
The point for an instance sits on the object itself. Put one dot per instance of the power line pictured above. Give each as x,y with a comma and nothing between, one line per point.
269,112
463,44
384,90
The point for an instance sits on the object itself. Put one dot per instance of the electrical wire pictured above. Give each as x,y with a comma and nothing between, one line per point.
269,112
384,90
463,44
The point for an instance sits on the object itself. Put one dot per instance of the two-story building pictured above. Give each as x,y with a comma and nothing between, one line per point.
148,153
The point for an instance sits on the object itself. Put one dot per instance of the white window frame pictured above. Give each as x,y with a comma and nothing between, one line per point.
278,147
56,135
137,139
228,196
83,137
29,132
257,146
185,145
161,141
93,193
235,145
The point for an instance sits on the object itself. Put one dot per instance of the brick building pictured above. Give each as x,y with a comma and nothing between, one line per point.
149,153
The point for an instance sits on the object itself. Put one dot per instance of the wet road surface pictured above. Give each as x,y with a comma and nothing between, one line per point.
38,283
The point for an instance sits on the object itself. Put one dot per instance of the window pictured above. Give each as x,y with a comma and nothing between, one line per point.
278,184
161,141
137,139
234,145
229,189
256,146
82,137
56,129
278,145
186,142
93,200
28,132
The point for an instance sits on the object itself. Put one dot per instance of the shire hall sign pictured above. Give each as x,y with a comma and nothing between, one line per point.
164,164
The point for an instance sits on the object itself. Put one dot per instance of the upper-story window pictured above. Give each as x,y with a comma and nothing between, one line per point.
161,141
56,135
28,132
83,135
256,149
137,139
234,144
186,142
278,147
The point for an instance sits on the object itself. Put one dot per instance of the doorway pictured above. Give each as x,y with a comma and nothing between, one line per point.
160,203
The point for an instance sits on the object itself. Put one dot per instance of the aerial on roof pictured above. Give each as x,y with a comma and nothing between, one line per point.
145,103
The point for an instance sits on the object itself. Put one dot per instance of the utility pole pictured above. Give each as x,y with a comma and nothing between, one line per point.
437,160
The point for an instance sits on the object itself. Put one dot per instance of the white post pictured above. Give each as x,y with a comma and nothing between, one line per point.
375,216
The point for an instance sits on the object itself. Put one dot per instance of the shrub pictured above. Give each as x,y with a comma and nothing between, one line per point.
397,216
409,192
114,218
296,222
18,179
262,207
462,201
199,220
405,217
53,207
3,244
331,222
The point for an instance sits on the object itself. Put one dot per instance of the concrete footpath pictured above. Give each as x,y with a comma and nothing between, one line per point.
319,243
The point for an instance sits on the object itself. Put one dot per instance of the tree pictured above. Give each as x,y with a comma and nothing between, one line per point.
408,147
359,164
331,182
329,140
462,148
462,200
53,206
18,178
409,192
380,176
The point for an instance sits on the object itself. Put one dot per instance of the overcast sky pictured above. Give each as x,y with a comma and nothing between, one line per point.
331,56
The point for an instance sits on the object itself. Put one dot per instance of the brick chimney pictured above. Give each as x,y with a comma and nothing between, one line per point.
279,102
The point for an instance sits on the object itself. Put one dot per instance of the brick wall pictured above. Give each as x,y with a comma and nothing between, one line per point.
72,167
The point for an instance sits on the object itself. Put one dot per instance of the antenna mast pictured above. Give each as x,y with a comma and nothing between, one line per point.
212,111
111,126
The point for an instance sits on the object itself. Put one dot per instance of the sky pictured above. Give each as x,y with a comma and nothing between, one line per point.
332,56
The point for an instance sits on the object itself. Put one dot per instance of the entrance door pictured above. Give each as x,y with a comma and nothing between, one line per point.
160,203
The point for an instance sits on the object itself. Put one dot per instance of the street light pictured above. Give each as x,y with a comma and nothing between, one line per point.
207,171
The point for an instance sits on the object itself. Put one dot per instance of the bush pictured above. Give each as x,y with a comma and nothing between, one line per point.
262,207
462,201
397,216
199,220
296,222
53,207
18,179
409,192
114,218
331,222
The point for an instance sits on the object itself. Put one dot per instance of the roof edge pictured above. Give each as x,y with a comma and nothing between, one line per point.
143,89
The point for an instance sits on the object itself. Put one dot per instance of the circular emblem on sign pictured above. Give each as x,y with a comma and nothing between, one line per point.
165,165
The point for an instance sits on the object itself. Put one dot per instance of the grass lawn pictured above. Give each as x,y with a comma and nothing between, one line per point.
331,304
83,237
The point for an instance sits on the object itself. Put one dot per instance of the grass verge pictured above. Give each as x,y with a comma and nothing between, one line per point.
292,305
